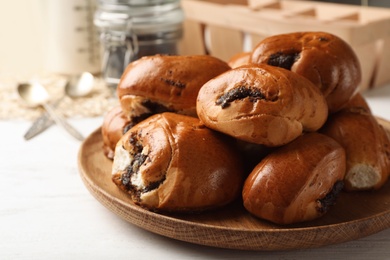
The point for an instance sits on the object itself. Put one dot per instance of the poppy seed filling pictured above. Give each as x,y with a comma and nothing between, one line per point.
129,176
174,83
283,60
152,107
330,198
138,159
239,93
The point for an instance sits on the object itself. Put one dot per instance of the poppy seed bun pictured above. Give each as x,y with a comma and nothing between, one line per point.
298,182
325,59
261,104
367,147
159,83
172,162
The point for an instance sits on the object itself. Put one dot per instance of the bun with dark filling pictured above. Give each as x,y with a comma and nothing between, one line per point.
172,162
298,182
367,146
160,83
323,58
261,104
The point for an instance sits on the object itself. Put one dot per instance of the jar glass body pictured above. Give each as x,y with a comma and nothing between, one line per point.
131,29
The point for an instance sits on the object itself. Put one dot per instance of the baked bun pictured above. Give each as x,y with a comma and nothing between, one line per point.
325,59
115,124
239,59
159,83
261,104
172,162
367,147
357,104
298,182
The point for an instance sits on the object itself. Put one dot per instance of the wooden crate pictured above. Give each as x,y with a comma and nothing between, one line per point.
224,28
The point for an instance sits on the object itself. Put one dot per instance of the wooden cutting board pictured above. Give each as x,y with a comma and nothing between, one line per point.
354,216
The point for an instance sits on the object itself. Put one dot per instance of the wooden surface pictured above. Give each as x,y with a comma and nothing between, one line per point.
354,216
229,22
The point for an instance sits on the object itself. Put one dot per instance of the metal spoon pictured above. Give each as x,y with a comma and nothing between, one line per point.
34,94
77,86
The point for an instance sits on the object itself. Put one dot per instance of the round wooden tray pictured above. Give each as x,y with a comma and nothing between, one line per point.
354,216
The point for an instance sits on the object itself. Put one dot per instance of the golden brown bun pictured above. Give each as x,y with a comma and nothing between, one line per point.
113,128
239,59
325,59
166,83
367,147
298,182
357,104
261,104
177,164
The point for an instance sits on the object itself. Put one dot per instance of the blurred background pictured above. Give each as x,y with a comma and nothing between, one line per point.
51,40
47,35
59,35
381,3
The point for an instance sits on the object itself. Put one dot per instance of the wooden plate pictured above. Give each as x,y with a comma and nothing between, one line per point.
354,216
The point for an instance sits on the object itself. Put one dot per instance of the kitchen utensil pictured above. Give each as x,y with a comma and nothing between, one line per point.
77,86
34,94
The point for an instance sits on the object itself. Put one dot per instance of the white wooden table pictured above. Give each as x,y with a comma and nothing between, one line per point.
47,213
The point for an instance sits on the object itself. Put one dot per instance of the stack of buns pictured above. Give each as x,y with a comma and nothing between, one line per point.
157,84
282,127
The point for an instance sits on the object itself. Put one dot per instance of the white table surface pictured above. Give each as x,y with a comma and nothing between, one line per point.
47,213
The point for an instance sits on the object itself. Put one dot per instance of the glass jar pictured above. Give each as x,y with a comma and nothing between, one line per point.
130,29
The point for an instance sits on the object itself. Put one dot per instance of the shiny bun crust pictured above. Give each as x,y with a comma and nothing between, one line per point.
162,83
172,162
367,147
357,104
323,58
239,59
114,125
261,104
298,182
